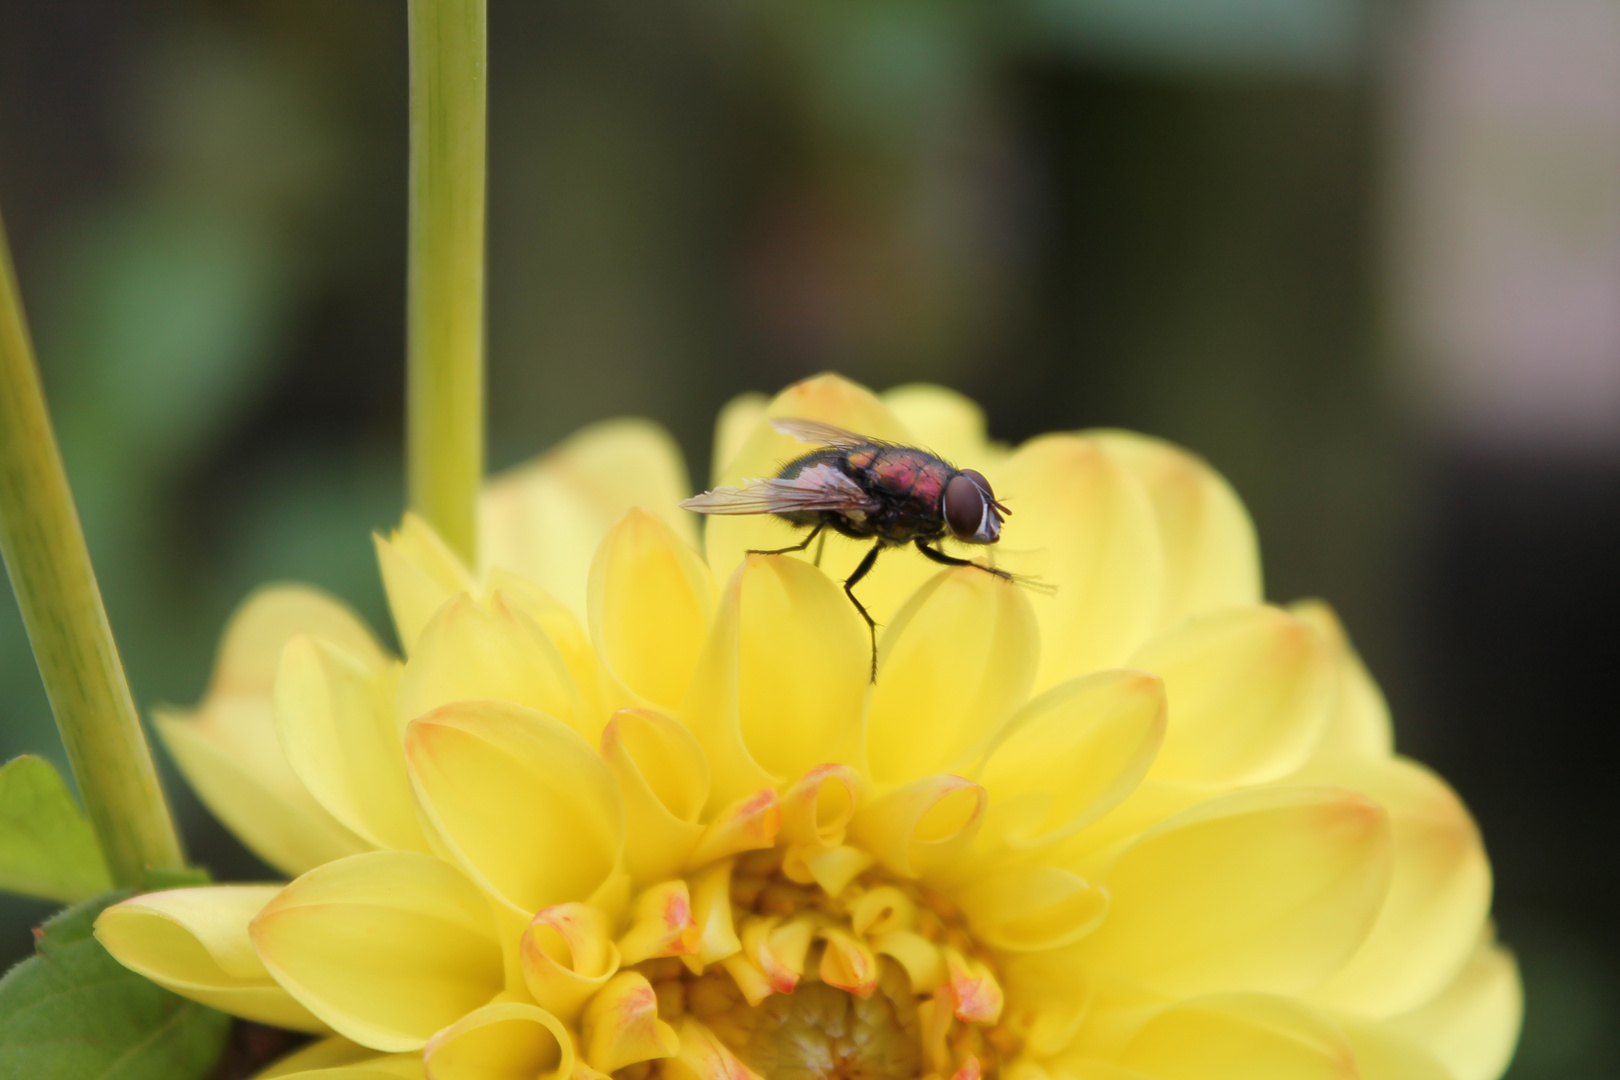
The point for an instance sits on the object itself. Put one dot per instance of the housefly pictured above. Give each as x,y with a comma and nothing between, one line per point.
867,489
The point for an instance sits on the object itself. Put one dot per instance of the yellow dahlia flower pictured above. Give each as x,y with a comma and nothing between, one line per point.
629,809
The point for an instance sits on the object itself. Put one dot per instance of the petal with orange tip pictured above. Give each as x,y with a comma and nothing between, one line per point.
661,925
621,1026
1268,889
953,666
386,947
519,800
567,955
1249,691
469,652
750,824
504,1041
650,601
915,828
819,806
974,989
848,962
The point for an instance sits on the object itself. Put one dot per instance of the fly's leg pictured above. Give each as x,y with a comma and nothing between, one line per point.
861,571
800,546
820,549
951,560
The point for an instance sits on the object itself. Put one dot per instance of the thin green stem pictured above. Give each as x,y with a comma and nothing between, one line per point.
445,288
50,570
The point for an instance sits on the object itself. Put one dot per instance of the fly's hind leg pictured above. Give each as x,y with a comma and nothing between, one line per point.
951,560
861,571
800,546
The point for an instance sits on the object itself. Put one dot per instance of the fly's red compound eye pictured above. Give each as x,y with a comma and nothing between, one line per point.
966,506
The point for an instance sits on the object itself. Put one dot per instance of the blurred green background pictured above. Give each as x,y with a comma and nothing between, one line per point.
1268,229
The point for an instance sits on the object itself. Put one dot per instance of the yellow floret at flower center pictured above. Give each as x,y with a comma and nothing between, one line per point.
877,979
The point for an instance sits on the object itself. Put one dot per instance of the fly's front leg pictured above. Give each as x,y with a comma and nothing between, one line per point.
951,560
800,546
861,571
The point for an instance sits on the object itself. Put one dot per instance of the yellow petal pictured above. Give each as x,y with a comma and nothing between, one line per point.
1438,898
736,422
195,942
830,399
1073,754
662,925
338,1058
1082,524
663,780
621,1025
1385,1054
819,806
804,666
566,633
974,989
469,652
943,421
702,1056
1358,722
749,824
567,954
335,720
1249,692
956,662
228,749
506,1041
420,573
544,520
650,602
230,755
1031,908
921,958
1268,890
1472,1026
848,963
917,827
711,909
386,947
521,801
1247,1036
1211,555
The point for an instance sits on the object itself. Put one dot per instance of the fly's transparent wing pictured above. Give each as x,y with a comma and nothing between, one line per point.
822,487
814,431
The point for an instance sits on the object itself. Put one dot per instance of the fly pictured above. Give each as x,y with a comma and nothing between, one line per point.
867,489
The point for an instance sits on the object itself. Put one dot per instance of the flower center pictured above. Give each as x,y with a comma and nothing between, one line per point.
877,980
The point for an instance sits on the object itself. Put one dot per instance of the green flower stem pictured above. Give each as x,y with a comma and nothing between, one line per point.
49,565
445,288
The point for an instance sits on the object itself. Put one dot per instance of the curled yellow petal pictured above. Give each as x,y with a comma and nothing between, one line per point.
650,601
819,806
567,954
1254,1036
922,960
1472,1025
544,520
832,868
750,824
1439,894
501,784
386,947
711,908
1083,524
505,1041
335,720
468,652
1029,908
914,828
420,573
1073,754
959,658
881,911
227,748
1249,692
1270,889
848,962
195,942
661,924
1211,555
1358,722
621,1026
663,780
974,990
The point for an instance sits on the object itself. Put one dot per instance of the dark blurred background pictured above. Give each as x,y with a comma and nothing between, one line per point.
1363,256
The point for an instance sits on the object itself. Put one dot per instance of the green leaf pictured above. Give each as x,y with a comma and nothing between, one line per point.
184,878
46,846
74,1012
